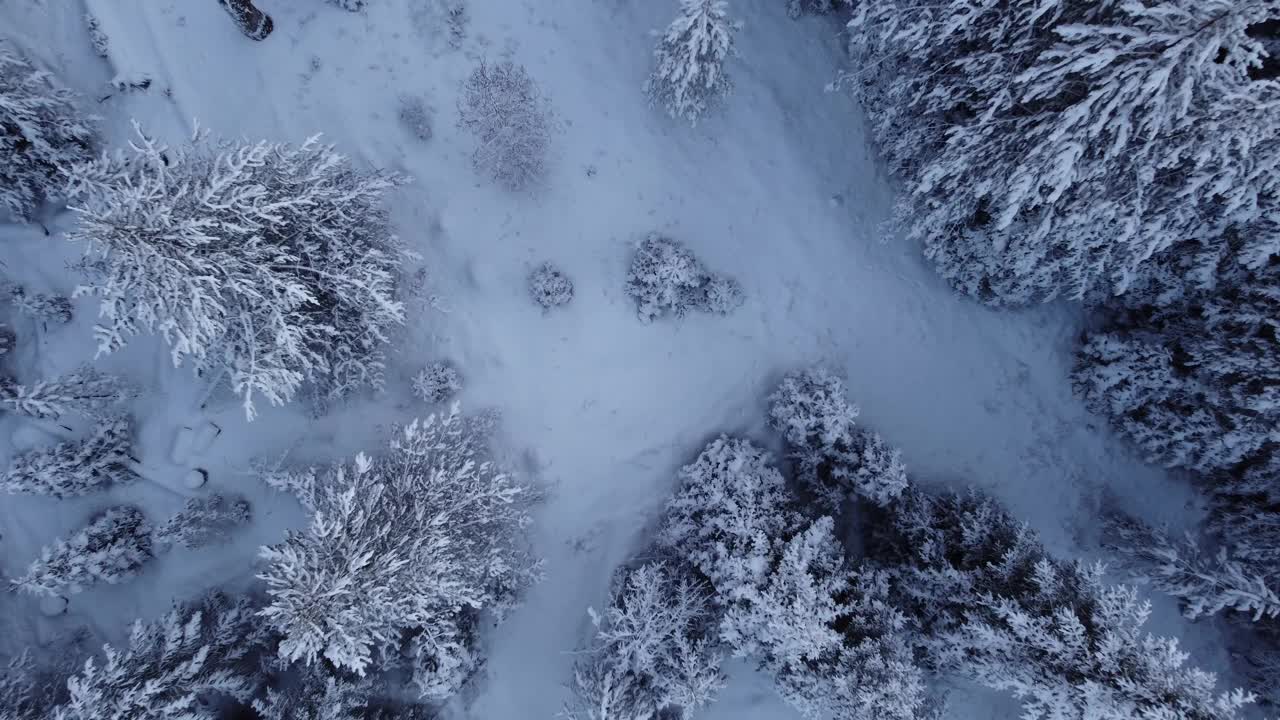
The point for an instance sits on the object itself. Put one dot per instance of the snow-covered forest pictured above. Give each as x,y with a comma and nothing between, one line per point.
445,359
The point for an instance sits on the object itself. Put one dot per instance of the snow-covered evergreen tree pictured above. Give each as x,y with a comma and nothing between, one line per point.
510,118
834,457
689,75
1206,584
653,650
110,549
1074,647
318,692
85,392
730,511
417,541
75,468
273,262
550,287
42,132
1052,148
29,688
203,521
172,667
665,278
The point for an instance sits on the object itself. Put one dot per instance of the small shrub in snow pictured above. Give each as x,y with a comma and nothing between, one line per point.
652,652
38,306
550,287
181,666
8,340
349,5
41,133
85,392
203,521
689,76
511,121
416,117
97,37
392,551
665,278
437,382
110,549
75,468
276,263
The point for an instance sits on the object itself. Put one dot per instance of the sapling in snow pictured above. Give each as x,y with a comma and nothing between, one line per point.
42,132
75,468
504,109
437,382
203,521
85,392
112,548
273,263
550,287
689,75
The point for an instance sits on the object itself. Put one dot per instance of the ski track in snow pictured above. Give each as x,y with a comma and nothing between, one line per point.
778,190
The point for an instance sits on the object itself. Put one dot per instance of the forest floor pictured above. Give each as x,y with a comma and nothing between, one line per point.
779,190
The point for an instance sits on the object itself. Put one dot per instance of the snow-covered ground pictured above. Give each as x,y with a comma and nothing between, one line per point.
780,191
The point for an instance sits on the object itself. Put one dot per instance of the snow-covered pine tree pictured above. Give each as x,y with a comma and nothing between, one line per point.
653,651
318,692
85,392
42,131
689,75
511,120
75,468
1053,148
203,521
1205,584
172,667
273,262
28,688
834,458
731,510
110,549
436,383
1074,647
418,541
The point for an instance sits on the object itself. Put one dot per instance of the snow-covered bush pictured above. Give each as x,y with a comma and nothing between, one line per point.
273,262
689,75
97,37
1074,647
110,549
175,667
511,121
550,287
436,383
418,541
834,457
84,392
416,117
1052,149
348,5
38,306
75,468
653,649
42,132
730,511
666,279
203,521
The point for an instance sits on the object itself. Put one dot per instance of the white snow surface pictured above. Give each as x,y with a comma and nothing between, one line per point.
779,190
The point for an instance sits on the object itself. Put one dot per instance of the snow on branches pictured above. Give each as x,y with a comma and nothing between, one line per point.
42,133
689,75
511,120
653,650
110,549
203,521
665,278
85,392
418,541
273,262
75,468
172,668
1052,149
835,458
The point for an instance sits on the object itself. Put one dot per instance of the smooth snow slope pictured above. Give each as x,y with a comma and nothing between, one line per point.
779,190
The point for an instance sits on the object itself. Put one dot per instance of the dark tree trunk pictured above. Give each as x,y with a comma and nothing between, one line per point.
254,23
